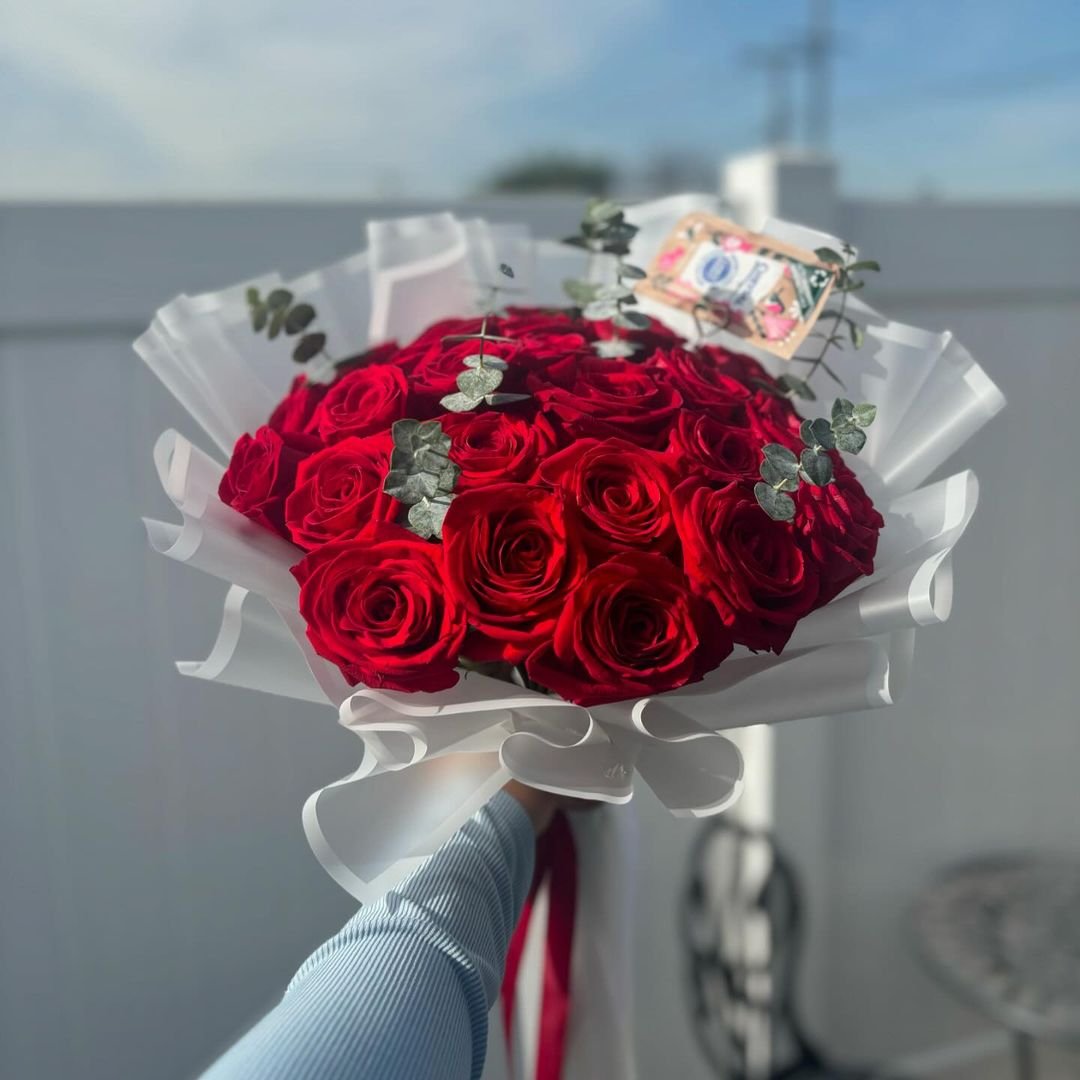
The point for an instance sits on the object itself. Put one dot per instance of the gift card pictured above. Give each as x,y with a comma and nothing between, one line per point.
753,286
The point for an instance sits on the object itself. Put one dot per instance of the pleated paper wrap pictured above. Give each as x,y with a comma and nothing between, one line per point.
429,760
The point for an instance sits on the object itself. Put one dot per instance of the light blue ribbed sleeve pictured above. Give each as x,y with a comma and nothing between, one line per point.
403,991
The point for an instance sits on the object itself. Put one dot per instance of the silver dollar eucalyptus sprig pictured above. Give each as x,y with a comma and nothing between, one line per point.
781,471
605,231
277,314
483,375
422,476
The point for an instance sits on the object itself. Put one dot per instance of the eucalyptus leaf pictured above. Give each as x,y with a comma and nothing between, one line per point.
857,334
614,292
252,295
496,363
776,504
580,292
817,432
816,468
426,517
309,346
827,255
577,241
459,402
792,384
628,270
279,298
277,321
776,479
782,459
259,315
504,399
299,318
851,440
506,270
476,382
864,414
599,310
601,211
867,264
631,320
612,348
843,412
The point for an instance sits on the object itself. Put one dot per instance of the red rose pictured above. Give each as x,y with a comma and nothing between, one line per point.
601,398
657,336
376,606
294,411
715,448
841,526
623,492
632,627
339,491
706,380
513,553
774,418
750,567
496,446
261,474
364,401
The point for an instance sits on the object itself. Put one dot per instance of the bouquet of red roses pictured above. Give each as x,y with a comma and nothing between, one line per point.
585,525
568,543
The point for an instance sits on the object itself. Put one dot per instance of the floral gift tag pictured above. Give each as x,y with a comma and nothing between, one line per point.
760,289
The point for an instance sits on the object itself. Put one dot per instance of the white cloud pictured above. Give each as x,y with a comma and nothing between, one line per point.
199,97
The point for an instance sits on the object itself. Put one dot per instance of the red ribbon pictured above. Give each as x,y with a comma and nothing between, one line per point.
556,864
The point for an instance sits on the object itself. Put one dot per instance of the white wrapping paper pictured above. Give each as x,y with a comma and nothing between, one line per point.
427,761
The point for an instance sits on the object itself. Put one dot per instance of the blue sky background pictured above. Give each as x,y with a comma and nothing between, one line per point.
338,98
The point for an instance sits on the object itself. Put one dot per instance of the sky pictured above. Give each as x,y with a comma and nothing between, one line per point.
179,99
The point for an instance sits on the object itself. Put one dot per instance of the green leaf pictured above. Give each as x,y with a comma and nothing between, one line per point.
864,414
817,468
496,363
857,334
776,479
309,346
279,298
614,292
843,412
817,432
612,348
580,292
299,318
782,459
867,264
850,440
827,255
776,504
628,270
277,321
259,314
792,384
600,310
631,320
420,465
426,517
459,402
476,382
601,211
252,295
504,399
506,270
578,241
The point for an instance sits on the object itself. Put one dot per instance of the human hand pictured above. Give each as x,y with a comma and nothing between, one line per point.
541,805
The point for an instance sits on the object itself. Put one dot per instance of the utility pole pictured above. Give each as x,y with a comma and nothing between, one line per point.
777,61
817,48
